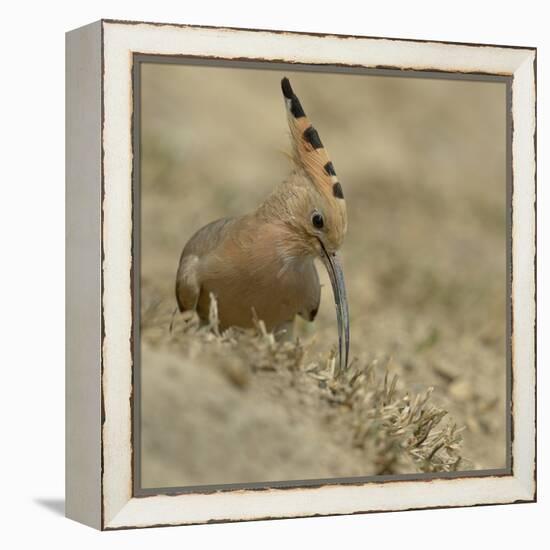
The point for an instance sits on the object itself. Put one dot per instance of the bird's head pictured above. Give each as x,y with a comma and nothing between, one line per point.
316,205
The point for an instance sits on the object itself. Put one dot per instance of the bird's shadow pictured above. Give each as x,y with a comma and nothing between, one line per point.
55,505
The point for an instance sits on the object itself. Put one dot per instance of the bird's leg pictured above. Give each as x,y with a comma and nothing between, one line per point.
171,328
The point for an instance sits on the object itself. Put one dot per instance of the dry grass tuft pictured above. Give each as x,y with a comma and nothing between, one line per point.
396,430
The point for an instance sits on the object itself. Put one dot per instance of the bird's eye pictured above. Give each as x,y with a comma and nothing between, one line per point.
317,220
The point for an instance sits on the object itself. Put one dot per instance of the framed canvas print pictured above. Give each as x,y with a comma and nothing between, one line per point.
300,274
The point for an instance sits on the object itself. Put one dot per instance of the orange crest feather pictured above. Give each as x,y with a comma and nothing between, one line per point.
309,152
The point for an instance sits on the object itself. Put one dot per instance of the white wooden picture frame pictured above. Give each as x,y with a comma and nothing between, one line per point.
99,404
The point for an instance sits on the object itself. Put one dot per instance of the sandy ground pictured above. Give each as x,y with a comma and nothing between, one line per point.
422,164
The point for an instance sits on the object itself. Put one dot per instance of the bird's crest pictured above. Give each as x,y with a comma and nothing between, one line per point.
308,150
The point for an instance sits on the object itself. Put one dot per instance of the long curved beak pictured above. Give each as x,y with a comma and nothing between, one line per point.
336,274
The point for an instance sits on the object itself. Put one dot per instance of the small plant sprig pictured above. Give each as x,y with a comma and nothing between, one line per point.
403,430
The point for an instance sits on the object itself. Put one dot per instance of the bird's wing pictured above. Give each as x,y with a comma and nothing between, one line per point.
188,287
202,243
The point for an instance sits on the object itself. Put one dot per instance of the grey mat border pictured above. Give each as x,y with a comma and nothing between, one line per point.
255,64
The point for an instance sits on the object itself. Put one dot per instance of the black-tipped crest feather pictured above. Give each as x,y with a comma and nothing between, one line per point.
312,137
337,190
329,168
295,105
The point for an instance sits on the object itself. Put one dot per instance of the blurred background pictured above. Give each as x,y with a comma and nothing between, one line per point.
422,162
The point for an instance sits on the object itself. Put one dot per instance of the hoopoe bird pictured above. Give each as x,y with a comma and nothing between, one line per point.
261,265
